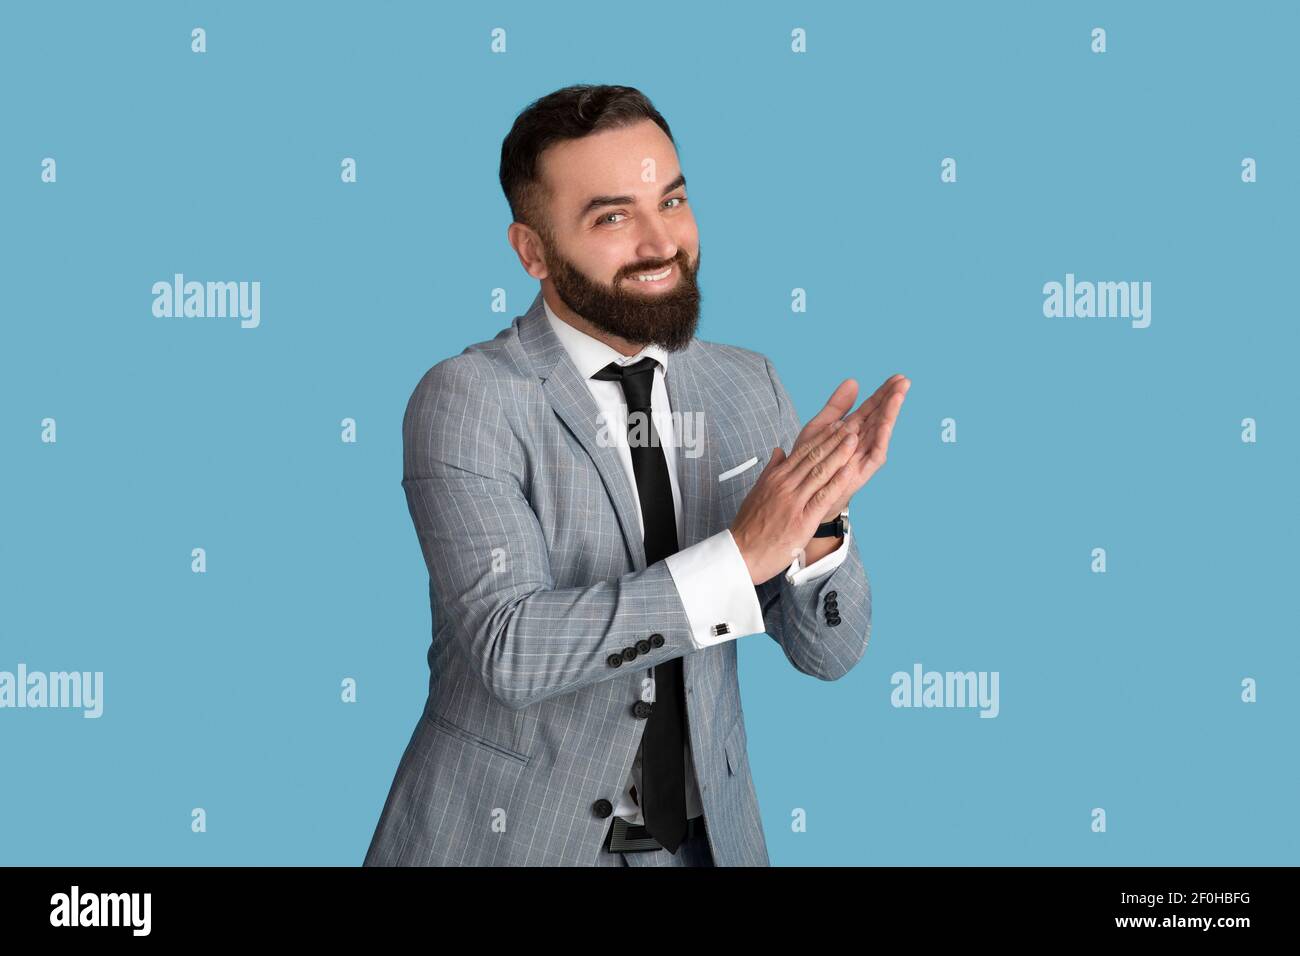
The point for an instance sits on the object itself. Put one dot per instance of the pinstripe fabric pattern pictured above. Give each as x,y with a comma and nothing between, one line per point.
537,574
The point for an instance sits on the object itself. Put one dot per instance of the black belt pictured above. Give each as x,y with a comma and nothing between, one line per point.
630,837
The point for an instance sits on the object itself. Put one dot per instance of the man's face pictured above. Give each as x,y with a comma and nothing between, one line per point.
606,225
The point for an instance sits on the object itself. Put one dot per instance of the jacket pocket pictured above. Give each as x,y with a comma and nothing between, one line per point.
455,730
733,473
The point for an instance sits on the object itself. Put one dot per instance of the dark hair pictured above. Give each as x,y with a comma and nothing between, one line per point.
570,113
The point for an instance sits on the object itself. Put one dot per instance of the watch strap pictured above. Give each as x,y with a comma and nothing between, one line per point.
833,529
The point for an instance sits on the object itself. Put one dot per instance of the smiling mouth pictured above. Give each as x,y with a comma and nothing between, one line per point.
653,276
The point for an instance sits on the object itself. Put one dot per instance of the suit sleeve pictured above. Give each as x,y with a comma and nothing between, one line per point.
794,613
489,573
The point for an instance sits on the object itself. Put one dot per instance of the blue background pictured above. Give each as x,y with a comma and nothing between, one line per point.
818,171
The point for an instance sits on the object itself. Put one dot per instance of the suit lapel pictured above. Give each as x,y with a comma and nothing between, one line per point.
694,410
572,401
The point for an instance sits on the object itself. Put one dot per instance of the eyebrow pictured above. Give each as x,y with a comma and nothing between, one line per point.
597,202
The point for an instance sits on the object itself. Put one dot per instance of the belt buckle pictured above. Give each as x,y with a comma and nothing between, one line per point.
630,838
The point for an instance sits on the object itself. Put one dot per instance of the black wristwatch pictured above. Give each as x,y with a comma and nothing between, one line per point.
833,529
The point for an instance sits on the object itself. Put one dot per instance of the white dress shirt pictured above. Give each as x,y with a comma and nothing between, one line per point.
711,576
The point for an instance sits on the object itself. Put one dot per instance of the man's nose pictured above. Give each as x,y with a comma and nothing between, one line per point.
655,241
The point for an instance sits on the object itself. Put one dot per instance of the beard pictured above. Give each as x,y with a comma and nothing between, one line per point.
667,319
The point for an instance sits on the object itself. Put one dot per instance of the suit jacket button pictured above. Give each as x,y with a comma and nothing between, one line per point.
602,807
831,595
643,646
642,709
614,660
656,640
629,653
833,621
830,604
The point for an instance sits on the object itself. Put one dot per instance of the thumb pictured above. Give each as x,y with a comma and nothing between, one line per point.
778,456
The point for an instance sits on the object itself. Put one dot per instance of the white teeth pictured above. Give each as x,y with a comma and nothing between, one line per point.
655,277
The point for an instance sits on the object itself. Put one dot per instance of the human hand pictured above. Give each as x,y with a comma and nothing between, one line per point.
872,422
782,510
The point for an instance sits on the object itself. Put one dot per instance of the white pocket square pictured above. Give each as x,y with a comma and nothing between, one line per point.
733,472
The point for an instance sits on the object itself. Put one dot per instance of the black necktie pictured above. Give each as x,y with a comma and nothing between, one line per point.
663,767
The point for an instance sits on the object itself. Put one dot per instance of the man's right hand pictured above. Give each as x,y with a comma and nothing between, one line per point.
787,503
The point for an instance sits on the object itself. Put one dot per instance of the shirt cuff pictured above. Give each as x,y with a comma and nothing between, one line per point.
822,566
713,581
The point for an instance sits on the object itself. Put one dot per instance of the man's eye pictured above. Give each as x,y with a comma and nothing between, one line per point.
605,220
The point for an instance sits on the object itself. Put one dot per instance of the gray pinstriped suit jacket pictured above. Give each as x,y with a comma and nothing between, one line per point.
537,575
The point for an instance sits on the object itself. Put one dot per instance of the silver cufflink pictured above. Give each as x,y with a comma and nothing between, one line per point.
719,629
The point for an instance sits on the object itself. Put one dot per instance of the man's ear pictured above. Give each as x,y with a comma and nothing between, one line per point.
528,247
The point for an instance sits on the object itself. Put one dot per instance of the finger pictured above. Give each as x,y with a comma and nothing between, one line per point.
893,407
862,419
880,438
873,439
879,396
811,451
886,410
838,405
875,442
817,473
835,484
